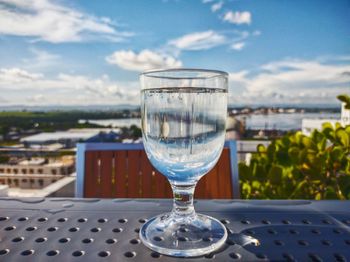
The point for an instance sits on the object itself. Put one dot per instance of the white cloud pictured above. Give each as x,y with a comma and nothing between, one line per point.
3,101
17,75
238,46
23,87
36,98
286,81
256,33
53,22
199,40
41,60
238,17
291,81
43,56
144,60
217,6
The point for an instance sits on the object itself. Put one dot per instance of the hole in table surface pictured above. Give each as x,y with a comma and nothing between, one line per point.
250,232
87,240
326,242
18,239
130,254
327,222
230,242
338,231
40,239
137,230
288,257
62,219
95,229
9,228
102,220
207,239
31,228
52,253
117,230
183,230
261,256
74,229
135,241
82,220
64,240
104,254
235,255
142,220
315,258
306,221
265,221
339,257
316,231
4,251
210,256
78,253
122,220
4,218
157,238
279,243
21,219
286,222
272,231
182,239
52,229
225,221
303,243
111,241
294,231
27,252
42,219
155,255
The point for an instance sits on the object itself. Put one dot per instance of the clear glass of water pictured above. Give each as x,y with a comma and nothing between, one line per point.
183,114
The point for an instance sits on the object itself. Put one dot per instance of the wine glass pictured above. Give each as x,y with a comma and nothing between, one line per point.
183,114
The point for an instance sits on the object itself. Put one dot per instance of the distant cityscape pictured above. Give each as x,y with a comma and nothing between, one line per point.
37,148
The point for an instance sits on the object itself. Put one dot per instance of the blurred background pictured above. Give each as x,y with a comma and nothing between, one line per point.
69,73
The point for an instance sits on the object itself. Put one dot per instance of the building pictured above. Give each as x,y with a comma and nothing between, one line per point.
70,138
234,128
308,125
35,173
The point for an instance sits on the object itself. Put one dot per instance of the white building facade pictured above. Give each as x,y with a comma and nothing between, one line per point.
308,125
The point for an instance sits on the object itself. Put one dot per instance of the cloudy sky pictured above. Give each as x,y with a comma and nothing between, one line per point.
90,52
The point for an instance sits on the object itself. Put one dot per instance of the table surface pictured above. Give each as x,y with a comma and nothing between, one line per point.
73,229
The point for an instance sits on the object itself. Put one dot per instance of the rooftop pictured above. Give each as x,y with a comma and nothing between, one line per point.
71,134
60,135
33,161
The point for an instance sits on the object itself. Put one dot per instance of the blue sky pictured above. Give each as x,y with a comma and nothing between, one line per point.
91,52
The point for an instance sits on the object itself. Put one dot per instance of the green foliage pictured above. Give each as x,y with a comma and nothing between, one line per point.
4,159
345,99
298,166
135,131
52,120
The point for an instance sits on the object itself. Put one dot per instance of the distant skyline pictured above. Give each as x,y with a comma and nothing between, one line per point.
91,52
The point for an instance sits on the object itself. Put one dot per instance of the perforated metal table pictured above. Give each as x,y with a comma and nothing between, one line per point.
62,229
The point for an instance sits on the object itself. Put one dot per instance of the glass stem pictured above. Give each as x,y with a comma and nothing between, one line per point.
183,200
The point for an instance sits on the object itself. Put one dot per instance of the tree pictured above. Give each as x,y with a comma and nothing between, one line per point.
299,166
345,99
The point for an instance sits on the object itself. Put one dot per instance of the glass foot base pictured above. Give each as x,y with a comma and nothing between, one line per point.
187,236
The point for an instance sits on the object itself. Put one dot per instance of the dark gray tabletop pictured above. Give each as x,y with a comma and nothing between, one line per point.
64,229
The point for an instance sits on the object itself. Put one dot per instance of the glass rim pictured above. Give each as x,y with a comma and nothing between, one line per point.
216,73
